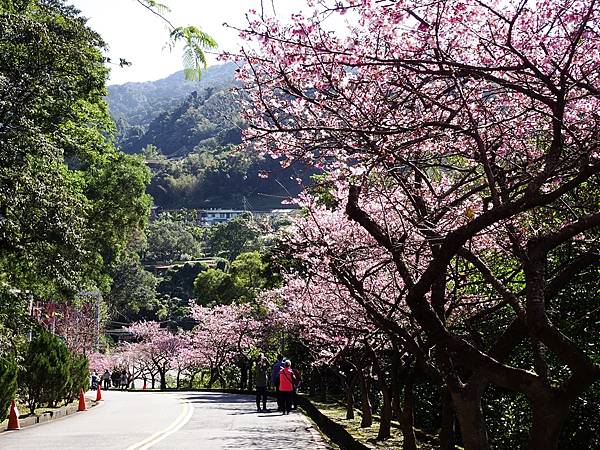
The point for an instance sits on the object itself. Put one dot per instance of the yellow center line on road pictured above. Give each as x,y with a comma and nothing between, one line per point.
182,419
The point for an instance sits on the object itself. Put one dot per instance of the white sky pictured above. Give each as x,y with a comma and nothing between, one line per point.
135,34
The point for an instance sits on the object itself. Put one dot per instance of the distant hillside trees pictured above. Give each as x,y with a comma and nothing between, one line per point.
189,132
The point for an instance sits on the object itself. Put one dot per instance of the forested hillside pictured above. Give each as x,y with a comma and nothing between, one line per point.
189,130
205,118
139,103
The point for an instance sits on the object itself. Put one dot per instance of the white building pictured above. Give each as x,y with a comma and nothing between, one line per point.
208,217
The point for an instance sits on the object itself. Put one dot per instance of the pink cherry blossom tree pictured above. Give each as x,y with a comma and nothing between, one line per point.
99,362
340,318
190,362
75,323
222,334
321,314
463,133
158,346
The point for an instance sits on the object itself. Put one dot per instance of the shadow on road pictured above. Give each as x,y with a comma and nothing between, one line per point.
232,404
223,421
252,438
210,397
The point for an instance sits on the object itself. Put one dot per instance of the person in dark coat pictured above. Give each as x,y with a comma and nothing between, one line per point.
106,380
116,379
261,380
275,380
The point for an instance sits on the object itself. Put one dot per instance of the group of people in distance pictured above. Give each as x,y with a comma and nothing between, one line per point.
120,379
285,380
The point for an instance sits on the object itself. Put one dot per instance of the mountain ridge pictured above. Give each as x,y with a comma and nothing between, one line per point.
136,102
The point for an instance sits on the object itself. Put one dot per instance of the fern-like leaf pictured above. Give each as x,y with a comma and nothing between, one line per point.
195,42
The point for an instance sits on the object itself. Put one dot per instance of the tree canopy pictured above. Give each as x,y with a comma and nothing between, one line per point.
458,137
68,200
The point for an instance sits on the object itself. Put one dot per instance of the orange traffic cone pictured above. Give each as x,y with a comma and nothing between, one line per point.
13,417
98,394
82,406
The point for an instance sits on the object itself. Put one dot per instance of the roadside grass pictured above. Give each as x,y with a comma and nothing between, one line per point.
367,436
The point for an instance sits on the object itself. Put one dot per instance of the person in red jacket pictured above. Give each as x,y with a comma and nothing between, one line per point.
286,386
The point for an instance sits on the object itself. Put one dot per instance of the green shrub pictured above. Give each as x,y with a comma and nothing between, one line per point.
45,377
79,375
8,385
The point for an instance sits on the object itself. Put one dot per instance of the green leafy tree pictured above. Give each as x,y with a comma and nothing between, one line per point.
45,377
14,320
215,287
133,289
170,240
120,205
245,278
248,272
68,199
231,238
151,151
8,385
179,281
79,375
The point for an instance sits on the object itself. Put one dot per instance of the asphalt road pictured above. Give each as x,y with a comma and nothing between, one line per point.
194,420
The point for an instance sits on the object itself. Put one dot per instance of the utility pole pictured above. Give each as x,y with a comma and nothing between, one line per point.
30,334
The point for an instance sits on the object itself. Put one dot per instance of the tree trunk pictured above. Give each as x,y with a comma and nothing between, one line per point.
324,386
213,378
178,378
396,384
163,380
548,419
350,399
153,381
407,417
385,418
467,404
446,435
365,403
243,375
312,386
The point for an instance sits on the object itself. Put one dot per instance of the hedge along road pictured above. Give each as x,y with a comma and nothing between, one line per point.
183,420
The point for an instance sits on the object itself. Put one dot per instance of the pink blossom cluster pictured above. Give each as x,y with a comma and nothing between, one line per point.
459,142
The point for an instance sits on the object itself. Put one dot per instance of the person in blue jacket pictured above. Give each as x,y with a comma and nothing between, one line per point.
275,380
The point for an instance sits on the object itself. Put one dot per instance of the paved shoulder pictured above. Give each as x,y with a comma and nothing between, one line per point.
229,421
194,420
122,420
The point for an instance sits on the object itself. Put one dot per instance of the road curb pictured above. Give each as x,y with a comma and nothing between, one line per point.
49,416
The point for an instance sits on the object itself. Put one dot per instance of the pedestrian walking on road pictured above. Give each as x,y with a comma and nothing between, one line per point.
275,380
261,379
106,380
124,380
116,378
286,386
94,383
